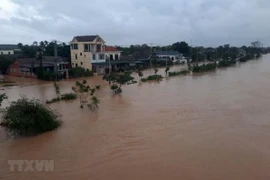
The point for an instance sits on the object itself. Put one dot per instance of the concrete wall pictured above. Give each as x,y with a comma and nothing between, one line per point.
6,52
113,53
79,58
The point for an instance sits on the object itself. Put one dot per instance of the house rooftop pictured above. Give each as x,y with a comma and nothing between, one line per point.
46,59
168,53
87,38
111,48
8,47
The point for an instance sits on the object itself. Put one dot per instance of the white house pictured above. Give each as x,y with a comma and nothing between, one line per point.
8,49
172,55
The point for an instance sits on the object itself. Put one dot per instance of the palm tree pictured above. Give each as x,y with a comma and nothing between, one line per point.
46,43
35,43
42,44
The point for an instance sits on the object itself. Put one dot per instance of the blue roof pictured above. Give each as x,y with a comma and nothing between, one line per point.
168,53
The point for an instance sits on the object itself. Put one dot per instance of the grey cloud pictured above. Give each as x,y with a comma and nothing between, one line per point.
124,22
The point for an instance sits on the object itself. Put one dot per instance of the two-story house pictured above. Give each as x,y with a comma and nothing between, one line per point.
86,50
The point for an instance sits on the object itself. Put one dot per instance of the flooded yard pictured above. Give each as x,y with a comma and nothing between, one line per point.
211,126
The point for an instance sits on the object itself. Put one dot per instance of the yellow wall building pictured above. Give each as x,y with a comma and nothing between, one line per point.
90,50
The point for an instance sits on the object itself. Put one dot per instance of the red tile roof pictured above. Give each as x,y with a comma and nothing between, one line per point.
110,48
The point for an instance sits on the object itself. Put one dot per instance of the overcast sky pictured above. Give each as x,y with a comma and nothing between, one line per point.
125,22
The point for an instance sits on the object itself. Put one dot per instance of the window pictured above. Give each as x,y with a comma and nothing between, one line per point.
116,57
94,57
86,47
101,56
2,53
76,57
75,46
111,57
76,65
80,54
81,63
72,64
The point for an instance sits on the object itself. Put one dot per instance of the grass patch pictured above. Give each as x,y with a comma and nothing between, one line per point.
155,77
177,73
68,96
53,100
7,83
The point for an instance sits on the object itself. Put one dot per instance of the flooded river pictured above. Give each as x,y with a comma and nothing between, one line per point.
214,126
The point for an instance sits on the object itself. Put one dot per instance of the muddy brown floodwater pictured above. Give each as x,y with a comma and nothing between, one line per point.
214,126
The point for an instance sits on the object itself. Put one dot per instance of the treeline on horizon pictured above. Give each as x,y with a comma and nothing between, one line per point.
194,54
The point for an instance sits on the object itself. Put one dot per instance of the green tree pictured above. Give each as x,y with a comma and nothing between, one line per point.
85,92
20,45
156,70
118,80
4,63
167,70
2,98
35,43
181,47
94,103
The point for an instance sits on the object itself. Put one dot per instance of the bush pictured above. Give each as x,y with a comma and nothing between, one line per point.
29,117
45,75
258,55
68,96
177,73
155,77
53,100
225,63
204,67
98,87
246,58
80,72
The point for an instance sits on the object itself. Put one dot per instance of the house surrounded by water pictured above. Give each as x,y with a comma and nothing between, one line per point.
90,51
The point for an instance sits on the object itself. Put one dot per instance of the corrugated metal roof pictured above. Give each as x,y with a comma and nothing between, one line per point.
8,47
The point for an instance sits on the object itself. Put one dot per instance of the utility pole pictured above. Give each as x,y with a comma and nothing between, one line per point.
151,56
55,49
167,56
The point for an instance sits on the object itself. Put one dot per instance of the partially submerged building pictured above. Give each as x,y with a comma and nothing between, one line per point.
28,67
